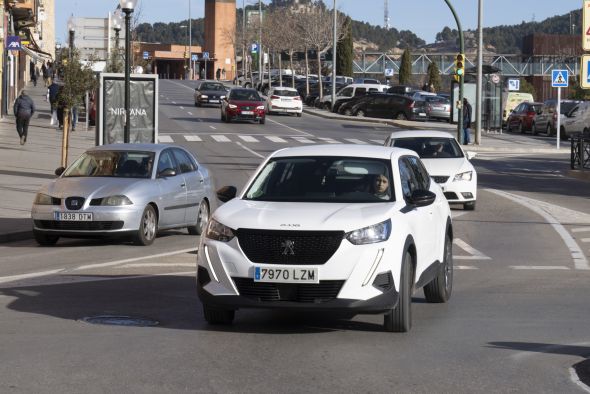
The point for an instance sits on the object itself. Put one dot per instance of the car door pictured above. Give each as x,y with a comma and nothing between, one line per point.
195,184
379,107
172,199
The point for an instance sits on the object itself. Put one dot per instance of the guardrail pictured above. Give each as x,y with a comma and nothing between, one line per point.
580,151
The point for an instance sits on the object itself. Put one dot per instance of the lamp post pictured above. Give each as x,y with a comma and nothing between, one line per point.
185,54
190,43
72,31
117,22
127,7
334,44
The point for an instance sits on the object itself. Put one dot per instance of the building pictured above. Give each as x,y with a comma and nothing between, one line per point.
169,61
220,26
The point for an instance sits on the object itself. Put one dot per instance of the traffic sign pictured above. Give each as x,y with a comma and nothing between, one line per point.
389,72
206,55
194,57
585,72
514,84
13,42
254,48
146,55
559,78
586,25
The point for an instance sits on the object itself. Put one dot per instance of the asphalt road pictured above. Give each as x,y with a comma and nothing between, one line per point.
518,319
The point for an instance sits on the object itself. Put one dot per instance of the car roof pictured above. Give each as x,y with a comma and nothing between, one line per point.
134,147
347,150
420,134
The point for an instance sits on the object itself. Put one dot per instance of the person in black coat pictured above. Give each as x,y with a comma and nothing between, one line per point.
467,116
24,108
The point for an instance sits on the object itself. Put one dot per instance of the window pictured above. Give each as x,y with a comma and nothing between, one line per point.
420,173
100,163
346,92
166,161
430,147
360,91
184,161
409,184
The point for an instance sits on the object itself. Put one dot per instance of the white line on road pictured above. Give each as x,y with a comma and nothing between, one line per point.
145,265
585,240
289,127
213,127
355,141
456,214
13,278
329,140
248,138
379,142
220,138
193,138
580,261
303,140
465,267
174,102
475,254
539,267
250,150
164,139
275,139
181,107
124,261
190,113
580,229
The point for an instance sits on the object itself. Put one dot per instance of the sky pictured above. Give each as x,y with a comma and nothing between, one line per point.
424,17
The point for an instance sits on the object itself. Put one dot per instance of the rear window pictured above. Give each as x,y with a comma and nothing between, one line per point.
285,93
567,107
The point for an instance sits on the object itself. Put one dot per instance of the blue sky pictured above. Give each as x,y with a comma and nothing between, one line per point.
423,17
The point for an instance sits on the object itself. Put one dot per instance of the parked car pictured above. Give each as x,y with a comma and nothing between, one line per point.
523,116
445,161
209,92
421,95
346,106
355,89
546,121
576,121
243,104
438,108
284,100
124,189
349,228
390,106
367,80
401,89
511,100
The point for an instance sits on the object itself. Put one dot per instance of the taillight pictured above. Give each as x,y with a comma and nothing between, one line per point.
297,98
273,97
411,104
530,114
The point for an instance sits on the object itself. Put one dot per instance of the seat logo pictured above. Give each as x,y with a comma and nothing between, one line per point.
288,247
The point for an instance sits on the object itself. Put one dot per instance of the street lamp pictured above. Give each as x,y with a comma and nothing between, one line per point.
72,31
185,56
127,7
117,22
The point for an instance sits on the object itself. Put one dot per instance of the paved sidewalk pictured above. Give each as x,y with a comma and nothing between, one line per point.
25,168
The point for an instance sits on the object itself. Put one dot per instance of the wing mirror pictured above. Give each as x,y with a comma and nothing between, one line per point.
422,198
166,173
226,193
59,170
470,155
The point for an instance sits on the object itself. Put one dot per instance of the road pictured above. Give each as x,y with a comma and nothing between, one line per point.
518,319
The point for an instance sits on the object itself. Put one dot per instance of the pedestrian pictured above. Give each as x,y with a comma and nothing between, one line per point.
24,108
467,111
52,92
45,74
33,73
218,73
60,109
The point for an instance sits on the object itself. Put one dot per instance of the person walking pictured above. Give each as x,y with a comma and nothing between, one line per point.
33,72
45,74
218,73
467,111
24,108
52,92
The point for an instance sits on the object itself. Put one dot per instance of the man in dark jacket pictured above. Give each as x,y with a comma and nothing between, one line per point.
467,112
24,108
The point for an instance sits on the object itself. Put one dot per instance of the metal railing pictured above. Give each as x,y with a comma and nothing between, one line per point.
580,151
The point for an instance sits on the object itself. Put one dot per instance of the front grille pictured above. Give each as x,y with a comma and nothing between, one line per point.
79,226
451,196
440,179
289,247
75,203
326,290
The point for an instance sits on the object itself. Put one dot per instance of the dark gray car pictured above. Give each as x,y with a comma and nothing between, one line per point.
209,92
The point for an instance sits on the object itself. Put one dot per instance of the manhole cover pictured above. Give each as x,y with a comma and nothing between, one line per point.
113,320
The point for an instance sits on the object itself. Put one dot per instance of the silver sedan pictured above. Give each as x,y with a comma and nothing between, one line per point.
125,189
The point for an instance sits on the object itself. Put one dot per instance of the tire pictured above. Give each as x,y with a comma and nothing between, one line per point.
548,130
360,113
196,104
299,114
508,128
441,287
202,219
262,120
399,319
520,128
347,112
218,316
562,134
147,227
44,239
401,116
469,206
534,129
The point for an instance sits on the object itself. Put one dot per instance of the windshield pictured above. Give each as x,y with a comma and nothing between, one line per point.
117,164
212,86
245,95
323,179
431,147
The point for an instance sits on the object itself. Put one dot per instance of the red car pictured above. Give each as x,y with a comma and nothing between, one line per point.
243,104
523,116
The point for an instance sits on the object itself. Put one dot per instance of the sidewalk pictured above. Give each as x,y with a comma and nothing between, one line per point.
25,168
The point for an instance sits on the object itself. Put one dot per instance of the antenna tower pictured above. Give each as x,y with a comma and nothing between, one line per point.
386,14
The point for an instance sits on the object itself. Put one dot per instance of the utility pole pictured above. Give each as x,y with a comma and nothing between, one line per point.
190,43
479,73
461,78
334,44
260,51
243,40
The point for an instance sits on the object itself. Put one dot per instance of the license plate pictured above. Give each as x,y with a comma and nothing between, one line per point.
213,101
438,108
286,275
247,112
73,216
422,114
285,99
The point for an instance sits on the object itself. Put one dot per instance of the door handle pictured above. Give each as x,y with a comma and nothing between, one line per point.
183,185
201,181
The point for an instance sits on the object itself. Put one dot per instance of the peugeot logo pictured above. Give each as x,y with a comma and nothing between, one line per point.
74,203
288,246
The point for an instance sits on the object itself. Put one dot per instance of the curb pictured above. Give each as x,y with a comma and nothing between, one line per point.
578,174
17,236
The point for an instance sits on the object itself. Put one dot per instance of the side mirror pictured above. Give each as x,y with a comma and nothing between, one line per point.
59,170
166,173
226,193
422,198
470,155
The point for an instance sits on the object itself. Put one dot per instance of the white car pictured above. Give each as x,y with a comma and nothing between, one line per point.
445,161
284,100
329,228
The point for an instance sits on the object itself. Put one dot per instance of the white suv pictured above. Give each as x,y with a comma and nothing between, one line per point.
329,228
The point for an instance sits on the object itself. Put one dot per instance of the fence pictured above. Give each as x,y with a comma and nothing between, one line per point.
580,151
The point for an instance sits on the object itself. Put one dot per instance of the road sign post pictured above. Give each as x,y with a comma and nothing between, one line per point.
586,25
559,79
206,58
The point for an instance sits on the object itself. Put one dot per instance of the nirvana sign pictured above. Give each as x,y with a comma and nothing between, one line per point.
143,111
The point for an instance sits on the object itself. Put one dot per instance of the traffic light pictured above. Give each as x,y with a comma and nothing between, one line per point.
459,66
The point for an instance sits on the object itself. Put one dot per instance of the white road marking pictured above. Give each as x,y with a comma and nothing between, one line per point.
276,139
174,102
542,208
576,379
213,127
145,265
456,214
181,107
248,138
580,229
303,140
165,139
13,278
355,141
378,142
250,150
329,140
179,84
539,267
291,128
190,113
220,138
200,120
475,254
193,138
465,267
125,261
585,240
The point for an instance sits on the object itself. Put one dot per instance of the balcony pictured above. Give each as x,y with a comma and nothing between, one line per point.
24,10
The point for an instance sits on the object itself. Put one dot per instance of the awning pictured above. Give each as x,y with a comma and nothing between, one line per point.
37,56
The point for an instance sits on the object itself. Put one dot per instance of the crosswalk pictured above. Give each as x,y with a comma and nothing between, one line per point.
253,139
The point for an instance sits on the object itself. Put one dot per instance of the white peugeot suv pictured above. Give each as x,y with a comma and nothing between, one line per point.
353,228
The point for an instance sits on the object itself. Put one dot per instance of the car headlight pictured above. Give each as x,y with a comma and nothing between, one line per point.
204,96
232,106
260,107
369,235
221,97
43,199
111,201
218,231
464,176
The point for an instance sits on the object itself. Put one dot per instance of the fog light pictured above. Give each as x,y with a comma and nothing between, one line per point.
467,195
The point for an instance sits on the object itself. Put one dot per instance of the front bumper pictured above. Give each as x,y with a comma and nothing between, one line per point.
290,110
458,191
213,101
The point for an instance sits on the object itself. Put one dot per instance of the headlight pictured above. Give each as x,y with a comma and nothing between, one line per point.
369,235
221,97
233,106
218,231
204,96
464,176
111,201
260,107
43,199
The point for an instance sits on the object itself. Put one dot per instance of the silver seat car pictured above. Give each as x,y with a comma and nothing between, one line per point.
124,189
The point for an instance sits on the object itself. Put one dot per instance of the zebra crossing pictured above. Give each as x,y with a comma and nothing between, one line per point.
253,139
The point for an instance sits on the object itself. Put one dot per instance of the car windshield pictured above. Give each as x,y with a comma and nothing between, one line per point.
323,179
431,147
116,164
212,86
245,95
285,93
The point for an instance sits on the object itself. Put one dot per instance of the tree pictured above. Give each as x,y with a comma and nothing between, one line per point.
433,76
527,87
405,70
344,50
577,93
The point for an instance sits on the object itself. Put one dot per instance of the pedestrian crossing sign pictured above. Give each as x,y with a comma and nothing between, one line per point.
559,78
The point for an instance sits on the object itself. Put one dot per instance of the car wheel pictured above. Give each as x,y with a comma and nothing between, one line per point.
548,130
147,227
299,114
348,112
562,134
360,113
469,206
202,219
222,117
196,104
399,319
44,239
520,128
218,316
440,288
534,129
401,116
262,120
